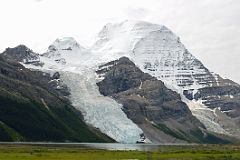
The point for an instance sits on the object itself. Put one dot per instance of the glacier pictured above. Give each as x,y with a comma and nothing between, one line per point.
78,73
102,112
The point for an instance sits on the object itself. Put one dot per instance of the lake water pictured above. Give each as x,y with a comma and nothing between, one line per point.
123,147
129,147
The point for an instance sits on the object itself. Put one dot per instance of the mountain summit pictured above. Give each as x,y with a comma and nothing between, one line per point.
156,50
66,43
66,50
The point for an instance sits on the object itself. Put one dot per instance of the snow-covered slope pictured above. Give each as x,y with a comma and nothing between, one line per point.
67,50
78,73
158,51
122,37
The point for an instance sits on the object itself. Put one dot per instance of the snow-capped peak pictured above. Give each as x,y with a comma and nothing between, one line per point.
124,27
66,50
66,43
155,49
121,37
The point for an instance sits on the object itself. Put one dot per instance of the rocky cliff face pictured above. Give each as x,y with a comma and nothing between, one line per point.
158,110
223,98
21,54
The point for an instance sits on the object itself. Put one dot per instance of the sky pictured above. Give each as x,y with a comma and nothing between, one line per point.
210,29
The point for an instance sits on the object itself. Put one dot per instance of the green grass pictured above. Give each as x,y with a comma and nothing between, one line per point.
199,152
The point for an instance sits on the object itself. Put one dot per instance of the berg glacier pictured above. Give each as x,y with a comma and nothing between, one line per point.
77,66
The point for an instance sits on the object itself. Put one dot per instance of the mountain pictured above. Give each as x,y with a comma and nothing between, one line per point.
138,82
21,54
156,50
34,106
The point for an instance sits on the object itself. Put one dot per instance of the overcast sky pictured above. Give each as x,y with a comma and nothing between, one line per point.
210,29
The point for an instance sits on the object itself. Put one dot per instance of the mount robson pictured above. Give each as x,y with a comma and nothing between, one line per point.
136,84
